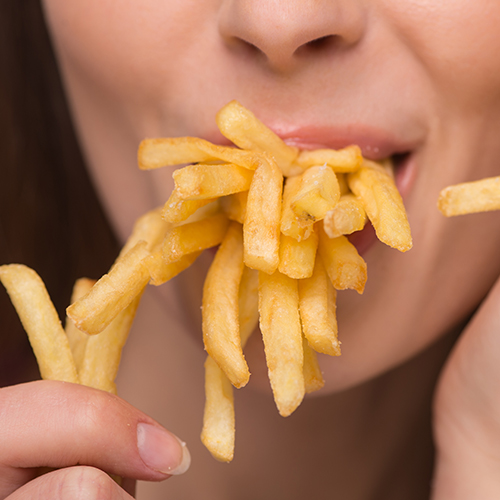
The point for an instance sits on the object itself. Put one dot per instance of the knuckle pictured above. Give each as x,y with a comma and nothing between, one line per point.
83,483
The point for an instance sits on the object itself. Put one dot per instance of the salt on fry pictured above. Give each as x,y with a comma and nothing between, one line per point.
76,338
282,336
470,197
317,304
41,322
262,219
221,334
345,267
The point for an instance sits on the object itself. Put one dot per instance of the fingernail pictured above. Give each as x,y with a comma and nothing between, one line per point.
162,451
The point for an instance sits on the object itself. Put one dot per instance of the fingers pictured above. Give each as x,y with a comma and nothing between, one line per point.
57,424
76,483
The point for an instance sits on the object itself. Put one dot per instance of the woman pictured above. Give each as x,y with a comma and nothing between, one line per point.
412,80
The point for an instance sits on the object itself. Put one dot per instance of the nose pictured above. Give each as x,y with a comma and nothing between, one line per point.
284,32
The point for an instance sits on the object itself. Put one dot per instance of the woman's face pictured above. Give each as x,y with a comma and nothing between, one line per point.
416,78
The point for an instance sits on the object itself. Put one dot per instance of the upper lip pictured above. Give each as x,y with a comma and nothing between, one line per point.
375,143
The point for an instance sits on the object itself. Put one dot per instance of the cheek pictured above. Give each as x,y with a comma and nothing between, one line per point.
456,41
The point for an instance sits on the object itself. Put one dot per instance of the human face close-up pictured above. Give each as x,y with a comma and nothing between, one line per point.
417,80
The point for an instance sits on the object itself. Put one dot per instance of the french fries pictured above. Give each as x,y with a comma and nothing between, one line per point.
470,197
279,216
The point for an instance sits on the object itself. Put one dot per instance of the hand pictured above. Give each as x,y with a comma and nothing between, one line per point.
80,432
467,410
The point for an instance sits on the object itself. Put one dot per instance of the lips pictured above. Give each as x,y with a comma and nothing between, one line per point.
375,143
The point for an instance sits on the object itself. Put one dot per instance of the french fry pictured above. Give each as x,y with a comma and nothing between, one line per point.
235,206
248,303
177,210
150,228
383,205
220,323
313,378
344,160
161,271
41,322
262,219
291,225
245,130
318,193
297,257
345,267
317,304
470,197
282,335
198,182
164,152
103,352
76,338
218,432
194,237
112,293
345,218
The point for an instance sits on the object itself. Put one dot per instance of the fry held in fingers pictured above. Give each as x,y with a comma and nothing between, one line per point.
279,216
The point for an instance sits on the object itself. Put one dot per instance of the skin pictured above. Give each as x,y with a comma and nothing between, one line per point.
398,77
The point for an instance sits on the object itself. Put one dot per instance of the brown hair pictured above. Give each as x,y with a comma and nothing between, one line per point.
50,217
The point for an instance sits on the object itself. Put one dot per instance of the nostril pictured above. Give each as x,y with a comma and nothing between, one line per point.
320,43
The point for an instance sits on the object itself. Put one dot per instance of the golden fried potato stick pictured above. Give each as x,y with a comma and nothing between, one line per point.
218,433
317,305
344,160
194,236
177,210
235,206
161,271
103,352
297,257
164,152
282,335
313,378
245,130
113,292
345,267
150,228
76,338
221,333
248,303
41,322
291,225
383,205
470,197
261,232
346,217
318,193
198,182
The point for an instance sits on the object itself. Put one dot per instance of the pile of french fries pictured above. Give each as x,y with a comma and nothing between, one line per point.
280,217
